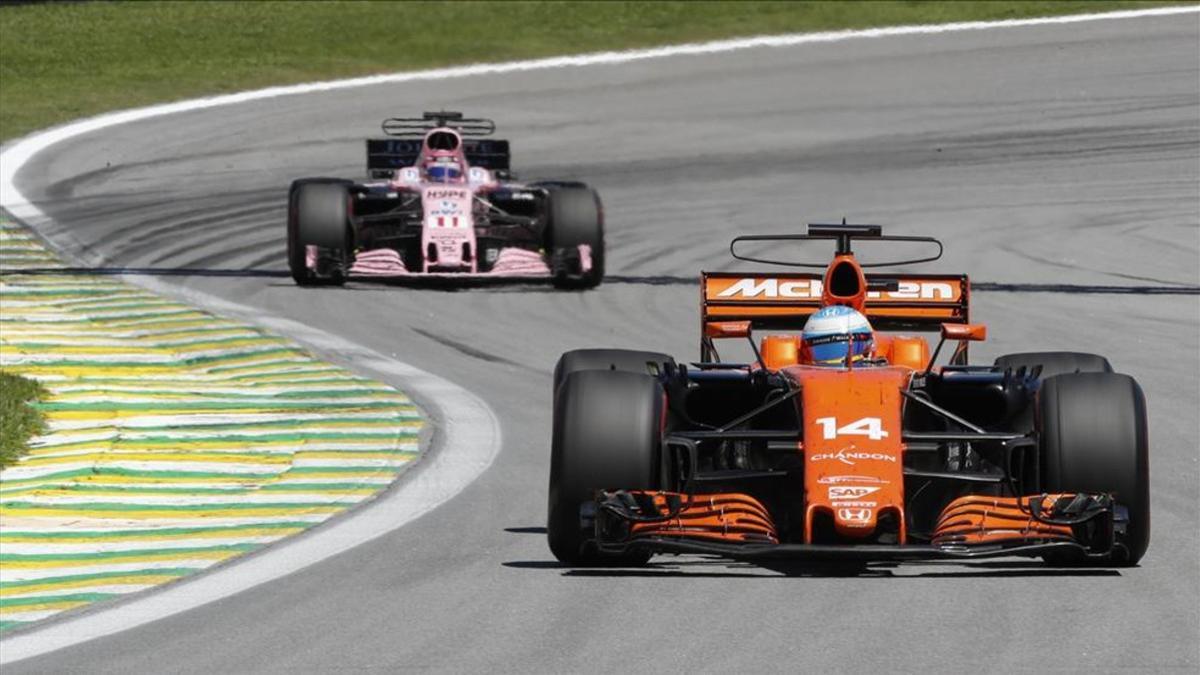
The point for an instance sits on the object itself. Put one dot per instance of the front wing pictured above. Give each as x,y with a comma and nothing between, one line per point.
512,264
737,526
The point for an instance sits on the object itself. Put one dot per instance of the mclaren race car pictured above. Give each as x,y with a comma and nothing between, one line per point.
880,455
441,203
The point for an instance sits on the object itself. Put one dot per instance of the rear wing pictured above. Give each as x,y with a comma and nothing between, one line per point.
386,155
916,302
417,127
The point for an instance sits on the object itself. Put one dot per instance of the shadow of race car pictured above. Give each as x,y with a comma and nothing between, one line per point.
882,456
441,204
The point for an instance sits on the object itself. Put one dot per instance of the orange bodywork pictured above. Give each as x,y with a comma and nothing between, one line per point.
780,351
903,350
992,520
853,453
927,299
731,518
727,329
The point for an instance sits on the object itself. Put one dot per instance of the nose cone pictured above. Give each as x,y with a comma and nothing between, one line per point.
853,451
448,234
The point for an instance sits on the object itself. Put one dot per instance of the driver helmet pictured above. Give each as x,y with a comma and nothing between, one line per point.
444,172
832,332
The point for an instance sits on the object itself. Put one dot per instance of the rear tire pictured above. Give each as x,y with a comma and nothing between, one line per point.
607,435
319,215
623,360
1056,363
1093,435
576,218
1051,363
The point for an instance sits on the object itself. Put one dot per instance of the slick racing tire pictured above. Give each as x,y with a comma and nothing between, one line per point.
319,215
607,435
575,219
623,360
1093,435
1052,363
1056,363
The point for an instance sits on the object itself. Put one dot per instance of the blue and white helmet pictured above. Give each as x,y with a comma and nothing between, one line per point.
831,332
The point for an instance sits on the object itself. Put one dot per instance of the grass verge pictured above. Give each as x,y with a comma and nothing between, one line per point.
19,421
63,61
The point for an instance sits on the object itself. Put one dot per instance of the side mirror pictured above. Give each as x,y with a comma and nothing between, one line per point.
975,332
964,333
727,329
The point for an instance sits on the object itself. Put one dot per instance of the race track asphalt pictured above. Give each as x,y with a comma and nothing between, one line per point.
1051,155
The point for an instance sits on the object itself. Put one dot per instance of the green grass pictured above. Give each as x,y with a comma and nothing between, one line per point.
19,421
63,61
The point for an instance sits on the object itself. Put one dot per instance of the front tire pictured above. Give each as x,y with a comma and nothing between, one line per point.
607,435
575,236
319,216
1093,435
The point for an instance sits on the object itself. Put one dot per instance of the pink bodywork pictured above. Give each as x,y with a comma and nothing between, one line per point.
448,234
448,237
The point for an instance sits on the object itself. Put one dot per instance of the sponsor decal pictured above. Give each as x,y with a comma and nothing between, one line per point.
805,289
855,516
446,208
869,505
917,290
773,288
851,492
521,196
833,480
850,456
445,193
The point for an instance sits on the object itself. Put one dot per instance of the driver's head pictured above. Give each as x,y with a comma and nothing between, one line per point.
834,331
444,172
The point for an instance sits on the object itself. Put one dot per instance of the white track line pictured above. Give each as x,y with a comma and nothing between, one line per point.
470,433
16,155
467,434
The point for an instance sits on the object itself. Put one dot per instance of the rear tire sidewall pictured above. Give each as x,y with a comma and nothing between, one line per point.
1094,438
607,434
624,360
1056,363
1051,364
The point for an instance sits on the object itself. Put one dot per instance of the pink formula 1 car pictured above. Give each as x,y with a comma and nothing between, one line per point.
442,204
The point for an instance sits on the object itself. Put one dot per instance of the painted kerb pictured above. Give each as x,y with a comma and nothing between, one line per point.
176,440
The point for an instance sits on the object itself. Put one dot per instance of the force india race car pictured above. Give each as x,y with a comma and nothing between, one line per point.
442,204
1039,454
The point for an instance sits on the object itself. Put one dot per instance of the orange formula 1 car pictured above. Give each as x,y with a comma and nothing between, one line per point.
878,454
